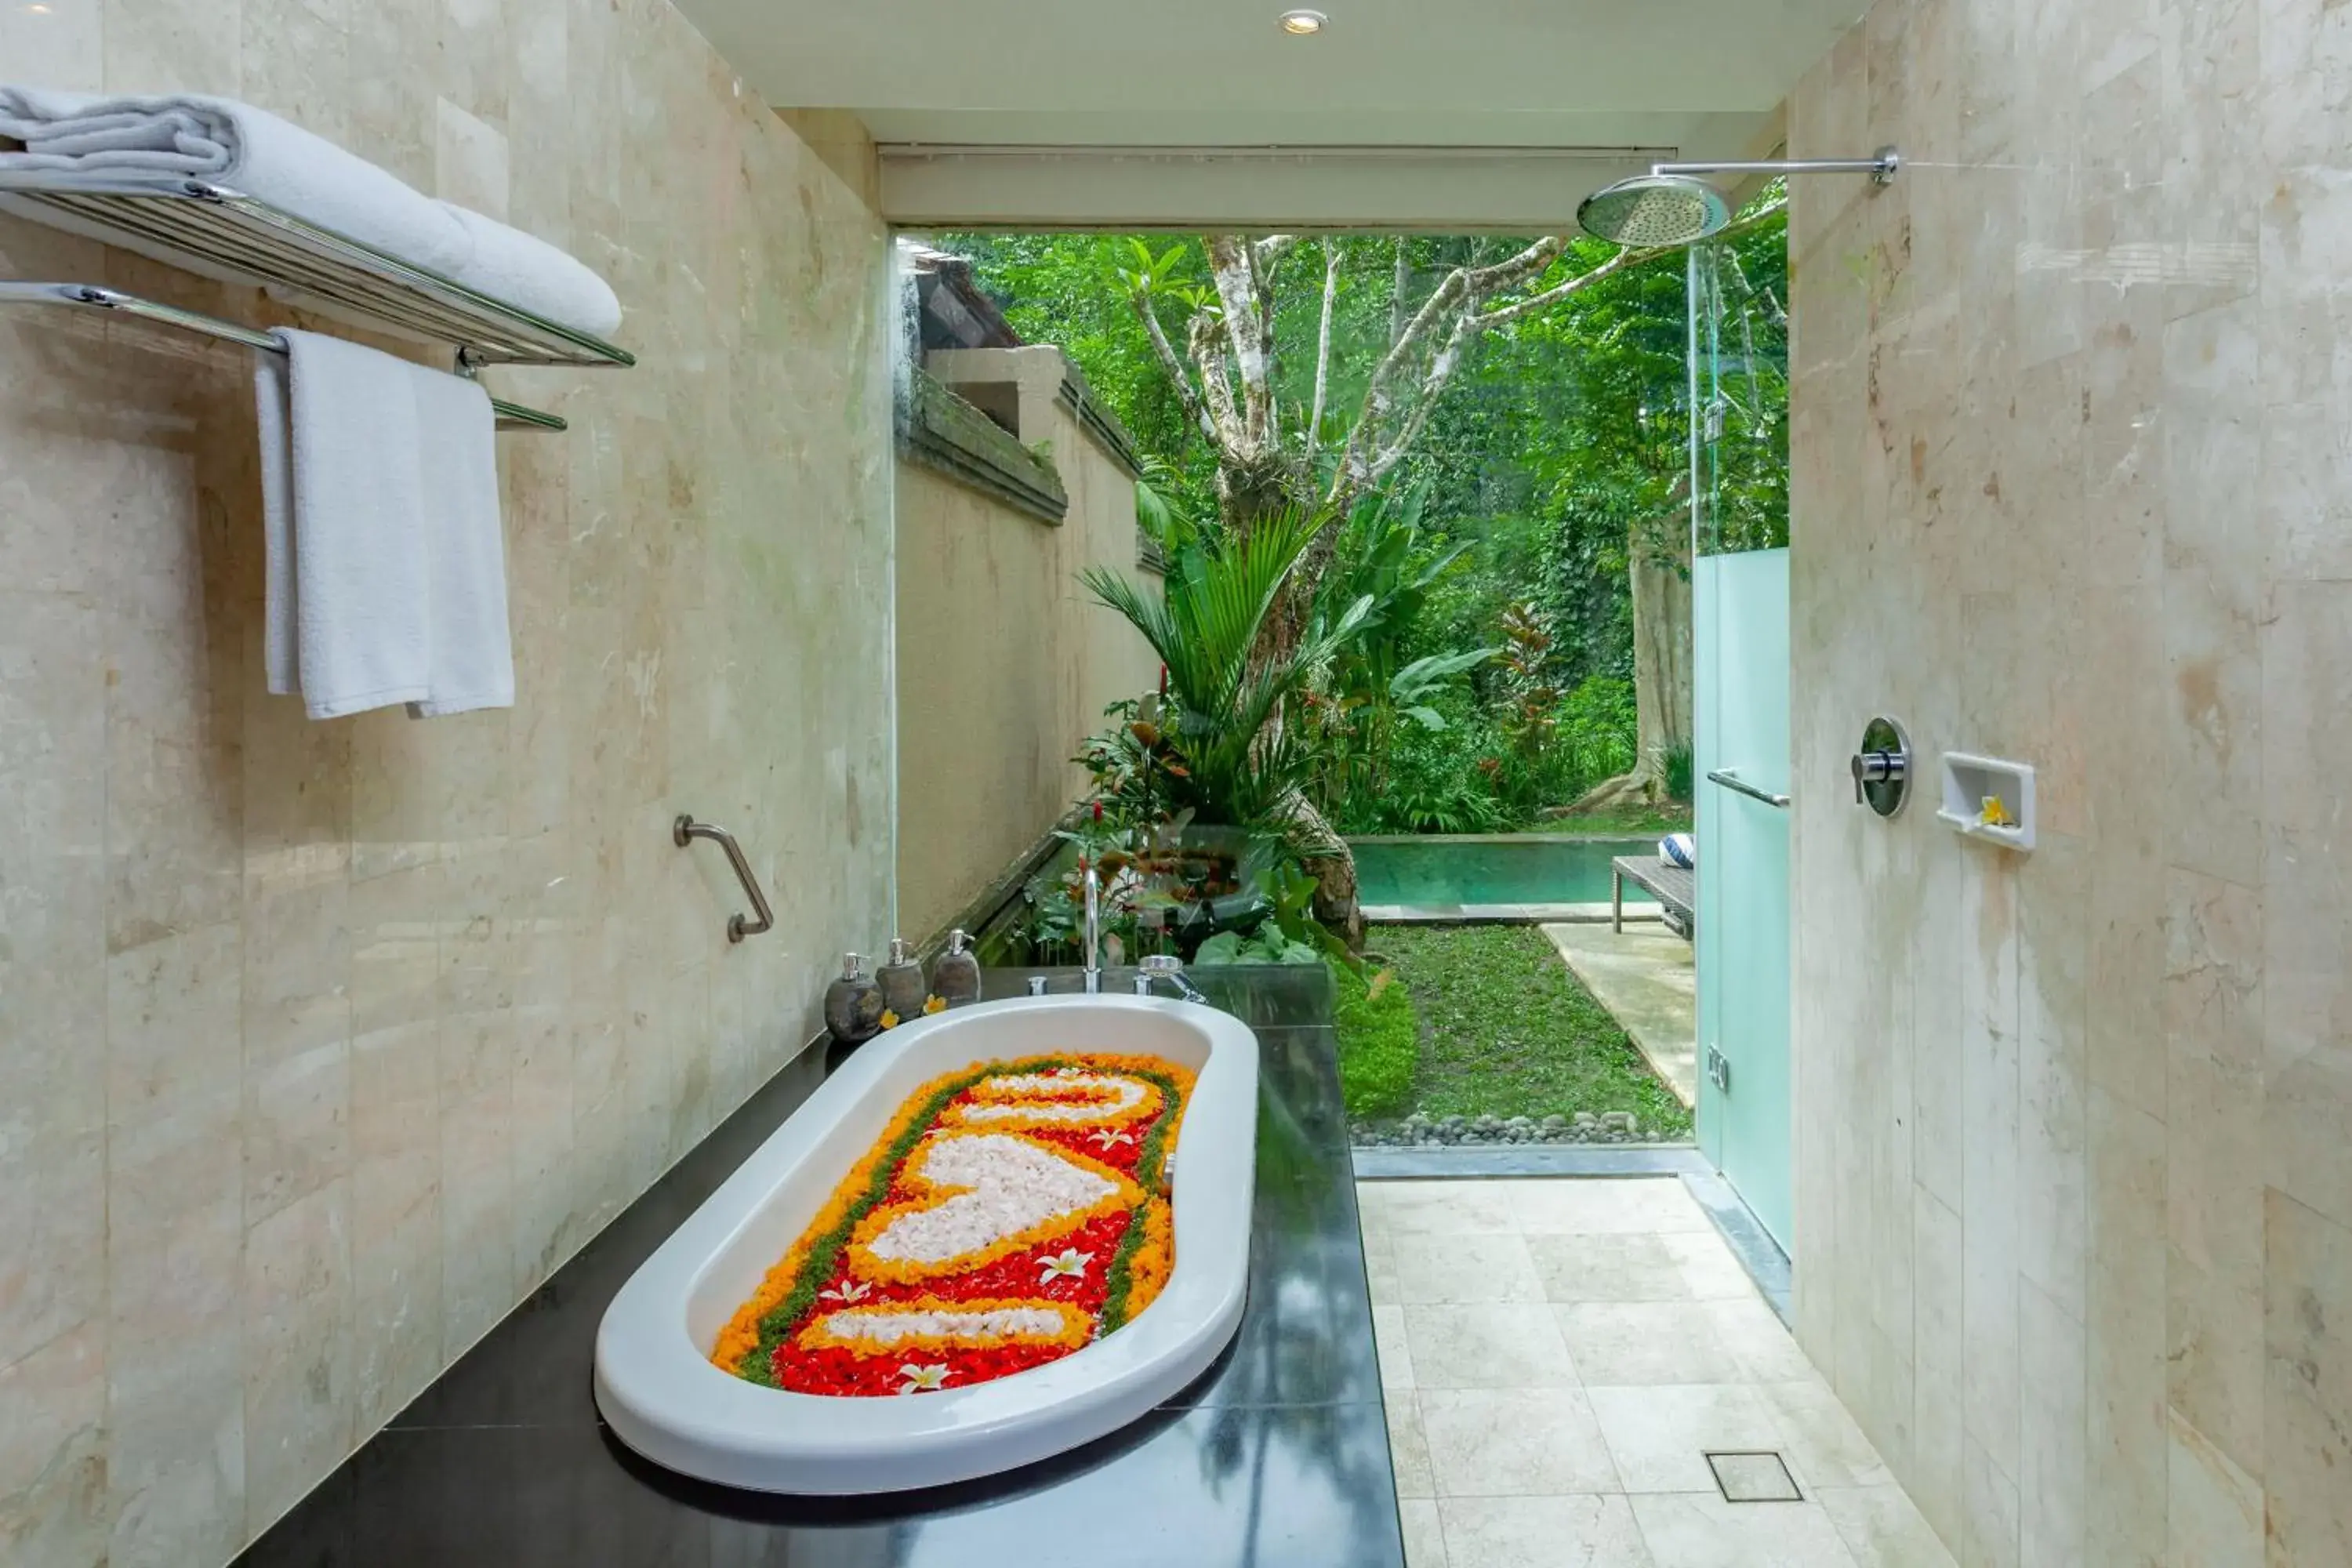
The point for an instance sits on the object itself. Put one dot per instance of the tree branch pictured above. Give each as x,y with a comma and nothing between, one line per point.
1233,264
1207,343
1323,346
1185,393
1266,257
1404,279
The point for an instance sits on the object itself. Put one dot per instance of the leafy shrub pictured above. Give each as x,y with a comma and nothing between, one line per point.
1379,1044
1597,731
1681,762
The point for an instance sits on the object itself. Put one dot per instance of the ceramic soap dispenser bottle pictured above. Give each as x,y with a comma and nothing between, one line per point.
902,983
853,1004
955,973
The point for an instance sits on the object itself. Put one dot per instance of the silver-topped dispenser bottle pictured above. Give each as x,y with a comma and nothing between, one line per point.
902,982
853,1004
955,972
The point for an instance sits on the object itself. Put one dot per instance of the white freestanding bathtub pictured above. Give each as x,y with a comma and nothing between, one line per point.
663,1396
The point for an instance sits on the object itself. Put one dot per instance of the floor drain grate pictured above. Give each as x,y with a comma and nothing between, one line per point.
1753,1477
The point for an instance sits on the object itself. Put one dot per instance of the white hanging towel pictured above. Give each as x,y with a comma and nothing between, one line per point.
472,663
386,559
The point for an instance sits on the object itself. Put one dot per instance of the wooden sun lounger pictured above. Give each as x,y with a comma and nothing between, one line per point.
1675,888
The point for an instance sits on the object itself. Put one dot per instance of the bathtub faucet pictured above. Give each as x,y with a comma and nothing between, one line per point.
1164,966
1093,973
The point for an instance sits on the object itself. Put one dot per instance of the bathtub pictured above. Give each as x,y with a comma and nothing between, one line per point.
663,1397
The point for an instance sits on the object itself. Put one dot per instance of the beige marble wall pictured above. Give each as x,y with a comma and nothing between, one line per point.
1005,660
321,1043
2074,1202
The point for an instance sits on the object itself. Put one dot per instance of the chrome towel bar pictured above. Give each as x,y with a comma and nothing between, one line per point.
216,231
686,830
1738,785
91,297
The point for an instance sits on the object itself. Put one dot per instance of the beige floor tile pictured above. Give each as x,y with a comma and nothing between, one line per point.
1755,1335
1585,1531
1492,1442
1495,1345
1380,1271
1424,1532
1882,1529
1610,1268
1696,1530
1709,1270
1390,1346
1616,1343
1408,1449
1432,1269
1448,1208
1823,1444
1659,1436
1568,1206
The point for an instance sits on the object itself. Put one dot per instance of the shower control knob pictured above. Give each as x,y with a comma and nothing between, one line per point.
1876,767
1882,768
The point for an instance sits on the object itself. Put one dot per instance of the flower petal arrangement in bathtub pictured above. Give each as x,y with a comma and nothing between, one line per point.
1013,1212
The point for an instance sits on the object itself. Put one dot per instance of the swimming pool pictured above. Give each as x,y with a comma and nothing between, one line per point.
1441,872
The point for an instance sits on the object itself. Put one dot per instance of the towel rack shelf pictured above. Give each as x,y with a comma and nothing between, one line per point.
91,297
222,233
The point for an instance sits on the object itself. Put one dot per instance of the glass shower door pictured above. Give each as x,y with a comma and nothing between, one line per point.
1740,615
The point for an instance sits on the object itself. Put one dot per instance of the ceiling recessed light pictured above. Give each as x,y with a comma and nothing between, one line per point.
1303,23
37,10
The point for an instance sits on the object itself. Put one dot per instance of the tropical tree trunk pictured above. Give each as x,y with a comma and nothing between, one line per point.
1661,662
1663,694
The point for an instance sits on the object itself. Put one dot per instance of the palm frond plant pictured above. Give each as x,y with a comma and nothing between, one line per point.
1244,765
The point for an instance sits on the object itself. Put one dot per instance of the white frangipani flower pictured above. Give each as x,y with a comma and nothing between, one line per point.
922,1379
1069,1264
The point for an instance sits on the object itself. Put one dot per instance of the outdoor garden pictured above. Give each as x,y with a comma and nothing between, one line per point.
1424,506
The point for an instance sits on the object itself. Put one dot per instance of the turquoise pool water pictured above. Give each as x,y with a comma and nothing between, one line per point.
1435,869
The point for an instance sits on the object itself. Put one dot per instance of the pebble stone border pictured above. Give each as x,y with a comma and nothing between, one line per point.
1420,1132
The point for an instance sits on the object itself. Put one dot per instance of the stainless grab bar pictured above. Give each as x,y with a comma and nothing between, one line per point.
686,830
1738,785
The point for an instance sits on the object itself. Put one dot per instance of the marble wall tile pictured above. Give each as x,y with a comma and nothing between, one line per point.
175,1387
2126,1454
2214,1169
2122,523
53,1502
2308,1445
319,1044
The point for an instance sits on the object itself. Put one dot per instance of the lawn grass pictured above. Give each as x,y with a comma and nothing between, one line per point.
1379,1044
1505,1030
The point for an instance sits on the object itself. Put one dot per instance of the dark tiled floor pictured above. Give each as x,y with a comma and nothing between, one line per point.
1277,1456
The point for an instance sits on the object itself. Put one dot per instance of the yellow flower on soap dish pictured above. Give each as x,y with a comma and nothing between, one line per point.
1996,815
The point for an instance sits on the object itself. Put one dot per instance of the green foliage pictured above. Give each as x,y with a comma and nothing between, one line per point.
1512,1033
1559,457
1680,761
1379,1044
1204,627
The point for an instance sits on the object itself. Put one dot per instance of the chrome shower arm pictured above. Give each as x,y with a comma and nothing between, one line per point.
1882,167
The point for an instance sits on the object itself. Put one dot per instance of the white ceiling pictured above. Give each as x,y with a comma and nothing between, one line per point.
1625,81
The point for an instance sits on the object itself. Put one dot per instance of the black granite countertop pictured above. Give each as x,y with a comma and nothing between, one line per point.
1277,1456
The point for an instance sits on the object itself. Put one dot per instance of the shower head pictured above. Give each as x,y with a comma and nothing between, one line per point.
1669,206
1652,210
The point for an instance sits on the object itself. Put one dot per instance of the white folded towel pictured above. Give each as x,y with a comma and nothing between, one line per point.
524,269
235,144
76,139
384,559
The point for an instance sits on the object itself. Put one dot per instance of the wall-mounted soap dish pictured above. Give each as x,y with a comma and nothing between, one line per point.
1987,798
